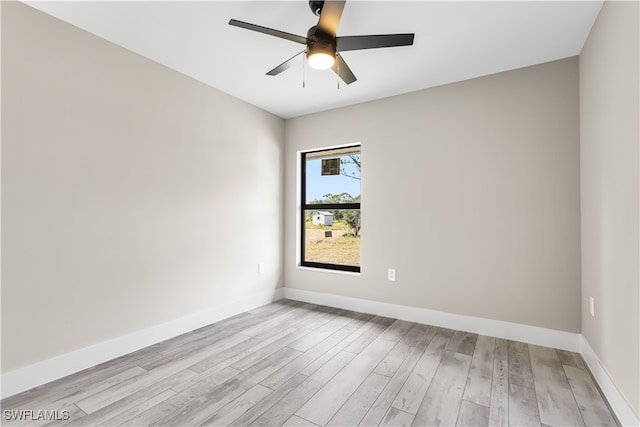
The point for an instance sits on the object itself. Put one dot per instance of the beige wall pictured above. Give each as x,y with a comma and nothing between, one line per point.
131,195
609,132
470,190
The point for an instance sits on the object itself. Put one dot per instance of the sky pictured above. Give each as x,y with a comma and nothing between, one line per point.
318,185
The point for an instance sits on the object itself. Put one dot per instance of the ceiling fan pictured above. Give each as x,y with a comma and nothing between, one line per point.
323,47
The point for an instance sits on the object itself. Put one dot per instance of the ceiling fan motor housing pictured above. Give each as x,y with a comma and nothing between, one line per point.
316,6
318,42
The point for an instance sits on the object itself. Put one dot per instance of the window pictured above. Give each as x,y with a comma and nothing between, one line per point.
330,220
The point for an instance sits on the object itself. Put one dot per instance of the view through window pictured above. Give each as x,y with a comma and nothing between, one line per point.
330,226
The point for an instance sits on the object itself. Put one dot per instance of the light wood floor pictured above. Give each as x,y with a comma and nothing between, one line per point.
290,363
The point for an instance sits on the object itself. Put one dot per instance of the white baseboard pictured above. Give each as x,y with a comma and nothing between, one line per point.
495,328
22,379
616,399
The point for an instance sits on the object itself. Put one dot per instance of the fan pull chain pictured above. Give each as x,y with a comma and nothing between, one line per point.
338,68
303,68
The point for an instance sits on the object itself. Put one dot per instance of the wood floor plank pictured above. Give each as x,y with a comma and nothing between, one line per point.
307,341
365,325
397,330
445,332
390,364
296,315
94,391
202,407
270,309
410,396
313,313
259,352
289,404
382,404
181,342
355,408
238,352
523,406
556,403
378,326
312,354
324,404
415,334
210,334
269,349
151,415
295,421
131,401
592,407
273,342
125,416
132,385
211,348
499,405
442,402
318,315
204,377
520,372
397,418
570,358
463,342
85,382
238,406
265,404
478,387
199,384
473,415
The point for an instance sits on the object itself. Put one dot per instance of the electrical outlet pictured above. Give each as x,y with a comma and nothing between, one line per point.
261,268
592,307
391,275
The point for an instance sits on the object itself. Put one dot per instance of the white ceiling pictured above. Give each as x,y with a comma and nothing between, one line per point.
454,41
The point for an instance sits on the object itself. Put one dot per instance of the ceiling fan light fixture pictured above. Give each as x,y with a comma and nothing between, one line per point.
321,49
321,60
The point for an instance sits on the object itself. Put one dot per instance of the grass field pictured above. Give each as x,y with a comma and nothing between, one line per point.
337,249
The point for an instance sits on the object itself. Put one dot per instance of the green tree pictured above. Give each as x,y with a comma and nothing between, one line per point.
352,219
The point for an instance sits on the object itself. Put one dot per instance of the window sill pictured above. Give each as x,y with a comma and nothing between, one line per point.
328,270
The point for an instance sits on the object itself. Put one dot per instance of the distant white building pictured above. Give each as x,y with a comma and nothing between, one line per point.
323,218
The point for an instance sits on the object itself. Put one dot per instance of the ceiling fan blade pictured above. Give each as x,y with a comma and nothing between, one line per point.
284,66
269,31
330,16
344,44
343,71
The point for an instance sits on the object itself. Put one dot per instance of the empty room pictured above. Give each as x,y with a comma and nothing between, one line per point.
311,213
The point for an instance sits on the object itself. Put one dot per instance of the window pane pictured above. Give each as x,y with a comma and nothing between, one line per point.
333,237
333,179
